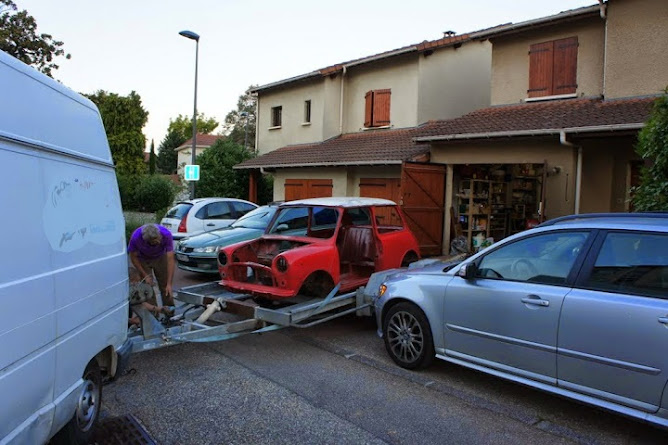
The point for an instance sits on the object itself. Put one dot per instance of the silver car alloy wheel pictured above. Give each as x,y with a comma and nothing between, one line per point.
405,336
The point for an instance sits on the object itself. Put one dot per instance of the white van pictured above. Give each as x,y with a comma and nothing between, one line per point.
63,279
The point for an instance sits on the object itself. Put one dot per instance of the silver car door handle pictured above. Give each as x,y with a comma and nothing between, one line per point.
663,320
210,225
536,301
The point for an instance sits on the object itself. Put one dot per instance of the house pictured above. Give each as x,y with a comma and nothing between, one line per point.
546,129
569,94
348,129
184,151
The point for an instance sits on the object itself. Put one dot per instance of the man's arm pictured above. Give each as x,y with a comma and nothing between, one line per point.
134,258
170,272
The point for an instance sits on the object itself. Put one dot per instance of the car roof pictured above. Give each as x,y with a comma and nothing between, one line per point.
342,201
204,200
646,221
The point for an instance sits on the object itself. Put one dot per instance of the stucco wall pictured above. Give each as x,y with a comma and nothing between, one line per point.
605,173
400,74
292,130
339,177
183,157
510,59
637,49
453,82
560,195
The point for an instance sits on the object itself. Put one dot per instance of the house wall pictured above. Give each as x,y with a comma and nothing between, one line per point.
605,170
560,188
293,130
453,82
400,74
183,157
338,176
637,48
510,59
345,180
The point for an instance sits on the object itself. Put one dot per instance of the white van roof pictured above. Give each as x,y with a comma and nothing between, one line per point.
68,122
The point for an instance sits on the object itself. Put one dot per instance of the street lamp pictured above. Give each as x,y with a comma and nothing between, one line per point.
193,36
244,114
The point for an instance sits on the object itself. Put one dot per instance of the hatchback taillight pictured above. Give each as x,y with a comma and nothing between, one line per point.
182,224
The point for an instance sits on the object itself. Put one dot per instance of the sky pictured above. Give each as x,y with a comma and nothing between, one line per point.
128,45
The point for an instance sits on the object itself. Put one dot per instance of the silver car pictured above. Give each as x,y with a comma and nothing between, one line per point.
577,306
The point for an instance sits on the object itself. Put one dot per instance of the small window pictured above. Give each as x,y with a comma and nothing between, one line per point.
546,258
276,116
216,210
377,108
307,111
633,263
553,67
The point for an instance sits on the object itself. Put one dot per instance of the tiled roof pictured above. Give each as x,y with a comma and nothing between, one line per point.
555,115
372,147
203,140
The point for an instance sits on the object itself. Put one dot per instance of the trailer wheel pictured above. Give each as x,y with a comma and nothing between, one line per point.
79,430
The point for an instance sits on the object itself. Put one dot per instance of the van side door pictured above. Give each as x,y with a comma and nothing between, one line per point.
613,332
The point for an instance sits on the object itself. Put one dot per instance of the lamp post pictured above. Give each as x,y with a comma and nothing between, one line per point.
193,36
244,114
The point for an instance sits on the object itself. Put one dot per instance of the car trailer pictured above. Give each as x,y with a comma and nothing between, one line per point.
208,313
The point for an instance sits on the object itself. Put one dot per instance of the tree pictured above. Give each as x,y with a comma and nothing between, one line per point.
652,193
19,38
217,178
167,156
124,118
236,121
183,125
152,158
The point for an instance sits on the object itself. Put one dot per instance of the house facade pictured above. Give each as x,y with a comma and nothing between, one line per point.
569,94
547,129
347,129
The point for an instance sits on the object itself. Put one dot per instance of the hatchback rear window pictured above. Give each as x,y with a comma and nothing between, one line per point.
179,210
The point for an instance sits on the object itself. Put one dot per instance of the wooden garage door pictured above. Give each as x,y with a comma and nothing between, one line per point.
307,188
385,188
423,203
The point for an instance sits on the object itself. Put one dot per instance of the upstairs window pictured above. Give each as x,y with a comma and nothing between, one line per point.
276,116
307,111
553,67
377,108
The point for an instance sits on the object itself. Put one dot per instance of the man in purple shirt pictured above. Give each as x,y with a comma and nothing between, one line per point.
151,251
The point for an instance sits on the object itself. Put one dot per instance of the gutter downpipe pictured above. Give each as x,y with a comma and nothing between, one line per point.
343,79
578,169
603,14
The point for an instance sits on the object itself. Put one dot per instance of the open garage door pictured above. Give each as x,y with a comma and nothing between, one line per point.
307,188
423,203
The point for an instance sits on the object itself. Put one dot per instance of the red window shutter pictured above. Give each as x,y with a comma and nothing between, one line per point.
565,66
540,69
368,108
381,108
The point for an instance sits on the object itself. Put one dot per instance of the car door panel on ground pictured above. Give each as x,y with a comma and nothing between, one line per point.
619,355
507,317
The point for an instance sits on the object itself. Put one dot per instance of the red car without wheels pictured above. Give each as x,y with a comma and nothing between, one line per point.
313,244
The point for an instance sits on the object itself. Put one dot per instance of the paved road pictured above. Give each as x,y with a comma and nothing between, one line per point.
335,384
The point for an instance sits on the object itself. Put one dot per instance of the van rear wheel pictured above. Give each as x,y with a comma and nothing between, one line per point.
79,430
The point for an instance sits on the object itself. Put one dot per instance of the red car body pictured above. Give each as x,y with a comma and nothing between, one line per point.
313,244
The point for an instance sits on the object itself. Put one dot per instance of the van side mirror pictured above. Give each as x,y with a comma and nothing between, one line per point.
468,271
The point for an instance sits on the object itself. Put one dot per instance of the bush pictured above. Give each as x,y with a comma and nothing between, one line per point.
126,187
154,192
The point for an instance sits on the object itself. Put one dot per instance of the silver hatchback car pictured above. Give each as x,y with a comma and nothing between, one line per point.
577,306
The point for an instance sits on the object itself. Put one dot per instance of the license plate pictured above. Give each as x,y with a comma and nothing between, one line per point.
183,258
